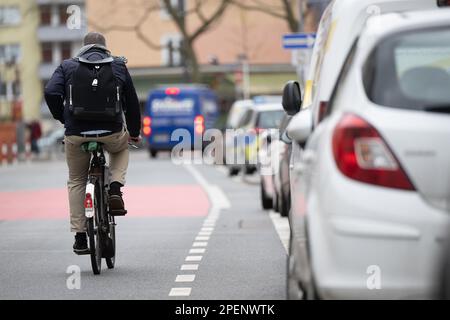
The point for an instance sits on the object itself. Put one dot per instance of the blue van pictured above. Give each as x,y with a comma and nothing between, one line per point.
190,107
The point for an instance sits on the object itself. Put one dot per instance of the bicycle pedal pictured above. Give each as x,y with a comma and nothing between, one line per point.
118,212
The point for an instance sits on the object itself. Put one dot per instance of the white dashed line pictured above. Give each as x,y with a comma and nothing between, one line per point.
218,202
185,278
189,267
201,238
194,258
180,292
197,250
200,244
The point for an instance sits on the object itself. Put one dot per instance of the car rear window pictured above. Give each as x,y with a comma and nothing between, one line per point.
411,70
269,119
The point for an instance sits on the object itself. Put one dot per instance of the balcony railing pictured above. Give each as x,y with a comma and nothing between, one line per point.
60,33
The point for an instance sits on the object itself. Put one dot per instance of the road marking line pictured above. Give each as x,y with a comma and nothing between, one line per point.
218,201
202,250
194,258
200,244
185,278
180,292
281,225
189,267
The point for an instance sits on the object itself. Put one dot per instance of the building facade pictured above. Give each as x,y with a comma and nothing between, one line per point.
20,94
143,32
60,32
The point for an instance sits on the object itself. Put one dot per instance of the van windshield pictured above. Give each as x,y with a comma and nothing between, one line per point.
411,71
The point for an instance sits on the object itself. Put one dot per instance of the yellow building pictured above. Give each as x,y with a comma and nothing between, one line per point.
19,59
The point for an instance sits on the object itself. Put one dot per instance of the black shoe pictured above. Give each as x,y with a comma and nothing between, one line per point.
80,246
116,204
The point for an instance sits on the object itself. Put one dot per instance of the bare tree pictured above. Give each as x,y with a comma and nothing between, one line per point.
180,14
284,9
182,18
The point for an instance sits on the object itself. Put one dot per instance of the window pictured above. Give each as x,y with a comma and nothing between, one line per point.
63,15
9,16
45,12
66,50
47,52
171,50
9,53
270,119
411,70
3,88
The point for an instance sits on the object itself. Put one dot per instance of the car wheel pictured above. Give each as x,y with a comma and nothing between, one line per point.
284,210
275,201
233,171
153,153
265,200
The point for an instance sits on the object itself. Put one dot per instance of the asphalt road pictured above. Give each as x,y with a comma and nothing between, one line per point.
191,233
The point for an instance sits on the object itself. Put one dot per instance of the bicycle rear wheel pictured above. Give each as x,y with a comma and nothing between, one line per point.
94,245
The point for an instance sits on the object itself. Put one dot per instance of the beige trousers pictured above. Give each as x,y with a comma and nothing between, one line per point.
78,161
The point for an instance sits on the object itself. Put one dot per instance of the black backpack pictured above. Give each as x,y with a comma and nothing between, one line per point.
94,92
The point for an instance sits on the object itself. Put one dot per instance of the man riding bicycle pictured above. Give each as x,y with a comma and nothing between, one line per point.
91,95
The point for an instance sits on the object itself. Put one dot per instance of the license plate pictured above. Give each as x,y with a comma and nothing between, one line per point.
161,138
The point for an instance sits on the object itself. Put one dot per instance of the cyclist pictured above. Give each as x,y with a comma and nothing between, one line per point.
81,83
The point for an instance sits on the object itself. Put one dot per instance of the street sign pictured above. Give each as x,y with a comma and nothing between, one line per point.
299,40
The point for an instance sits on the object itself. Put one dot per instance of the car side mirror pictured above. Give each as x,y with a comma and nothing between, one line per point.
292,98
300,127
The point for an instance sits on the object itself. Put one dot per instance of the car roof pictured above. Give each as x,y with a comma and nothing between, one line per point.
399,22
346,19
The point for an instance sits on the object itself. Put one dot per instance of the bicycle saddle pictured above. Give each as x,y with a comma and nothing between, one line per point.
91,146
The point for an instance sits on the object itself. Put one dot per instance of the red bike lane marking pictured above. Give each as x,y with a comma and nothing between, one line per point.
140,201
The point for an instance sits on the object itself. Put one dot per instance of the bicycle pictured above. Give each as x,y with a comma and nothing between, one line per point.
100,223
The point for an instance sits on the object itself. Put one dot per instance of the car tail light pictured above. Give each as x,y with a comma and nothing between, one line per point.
362,154
147,122
443,3
173,91
88,201
199,124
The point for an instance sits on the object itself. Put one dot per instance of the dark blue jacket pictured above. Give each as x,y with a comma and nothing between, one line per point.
55,96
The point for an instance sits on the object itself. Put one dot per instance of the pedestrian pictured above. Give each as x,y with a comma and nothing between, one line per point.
35,135
94,97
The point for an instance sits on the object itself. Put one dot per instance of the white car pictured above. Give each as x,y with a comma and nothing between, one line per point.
257,119
371,181
234,118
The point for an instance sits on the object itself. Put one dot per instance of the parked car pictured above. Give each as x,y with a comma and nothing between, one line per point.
365,193
281,180
237,111
190,107
257,119
268,163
